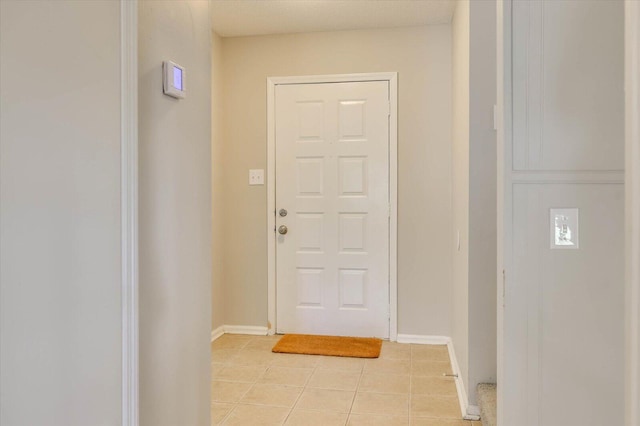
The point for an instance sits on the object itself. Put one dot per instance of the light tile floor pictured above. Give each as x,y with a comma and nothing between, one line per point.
253,386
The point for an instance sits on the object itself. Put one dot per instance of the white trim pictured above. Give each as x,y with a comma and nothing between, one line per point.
503,97
469,412
632,201
251,330
423,340
334,78
129,207
271,206
615,177
216,333
272,82
393,206
246,329
473,412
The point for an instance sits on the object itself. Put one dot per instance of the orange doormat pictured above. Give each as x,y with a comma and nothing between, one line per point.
356,347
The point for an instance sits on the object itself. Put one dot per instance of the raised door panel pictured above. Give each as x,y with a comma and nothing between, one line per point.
568,94
571,340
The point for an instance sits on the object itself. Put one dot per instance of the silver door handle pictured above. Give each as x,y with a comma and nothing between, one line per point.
283,229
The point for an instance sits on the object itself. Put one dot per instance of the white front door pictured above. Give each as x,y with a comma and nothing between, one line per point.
332,179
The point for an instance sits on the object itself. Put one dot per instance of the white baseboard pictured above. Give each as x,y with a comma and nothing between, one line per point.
469,412
423,340
473,411
238,329
246,329
217,333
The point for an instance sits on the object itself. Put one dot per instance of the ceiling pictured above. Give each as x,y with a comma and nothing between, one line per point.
236,18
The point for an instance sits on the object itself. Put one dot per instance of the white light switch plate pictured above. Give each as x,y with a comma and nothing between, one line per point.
256,177
563,228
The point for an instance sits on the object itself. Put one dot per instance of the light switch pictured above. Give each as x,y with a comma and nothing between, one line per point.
256,177
563,226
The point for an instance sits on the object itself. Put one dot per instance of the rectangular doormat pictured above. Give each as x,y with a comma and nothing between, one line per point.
356,347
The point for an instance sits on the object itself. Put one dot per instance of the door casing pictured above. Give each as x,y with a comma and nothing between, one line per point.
272,82
632,200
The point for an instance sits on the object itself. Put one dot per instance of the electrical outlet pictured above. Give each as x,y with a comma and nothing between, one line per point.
256,177
563,224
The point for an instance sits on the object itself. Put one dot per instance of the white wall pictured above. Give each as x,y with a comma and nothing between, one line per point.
60,351
460,188
217,183
482,197
422,58
175,216
564,309
474,193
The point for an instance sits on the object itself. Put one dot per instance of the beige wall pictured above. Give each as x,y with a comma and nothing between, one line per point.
60,351
175,216
460,193
217,183
482,197
474,193
422,58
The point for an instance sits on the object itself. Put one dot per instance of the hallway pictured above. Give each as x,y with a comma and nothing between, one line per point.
252,385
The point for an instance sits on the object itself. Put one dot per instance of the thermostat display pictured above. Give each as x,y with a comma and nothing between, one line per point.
177,78
173,80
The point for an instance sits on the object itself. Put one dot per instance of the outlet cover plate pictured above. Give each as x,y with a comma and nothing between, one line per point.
256,177
563,229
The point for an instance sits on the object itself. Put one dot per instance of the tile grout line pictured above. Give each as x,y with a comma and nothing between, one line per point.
225,364
269,365
355,394
235,404
409,419
304,387
314,369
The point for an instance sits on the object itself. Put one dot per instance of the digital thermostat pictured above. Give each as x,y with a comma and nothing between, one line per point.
173,80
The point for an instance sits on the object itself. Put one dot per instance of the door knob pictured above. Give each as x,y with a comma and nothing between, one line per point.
283,212
283,229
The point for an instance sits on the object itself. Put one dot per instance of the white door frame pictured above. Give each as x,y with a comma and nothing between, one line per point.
129,208
504,182
632,210
272,82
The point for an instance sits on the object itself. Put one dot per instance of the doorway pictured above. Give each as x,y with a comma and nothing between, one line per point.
332,205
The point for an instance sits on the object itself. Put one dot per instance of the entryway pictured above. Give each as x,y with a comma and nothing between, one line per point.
406,385
333,204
